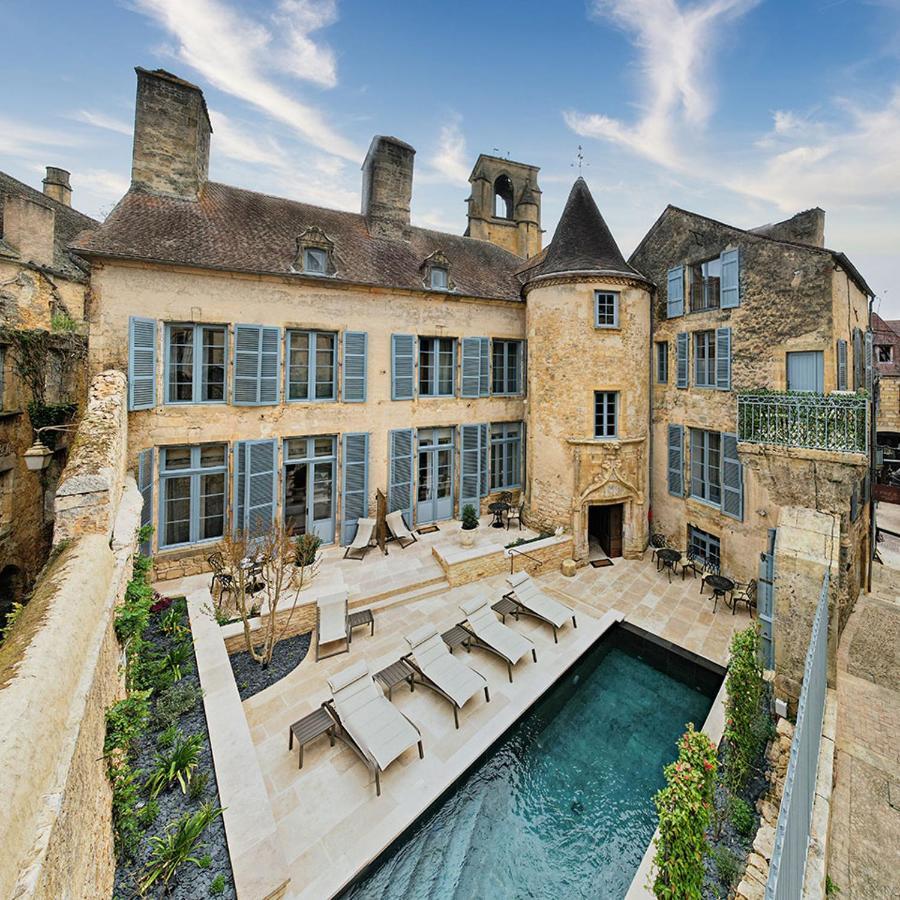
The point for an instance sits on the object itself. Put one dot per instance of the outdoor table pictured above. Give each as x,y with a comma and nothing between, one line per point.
498,508
669,558
394,674
721,586
362,617
308,728
455,637
505,607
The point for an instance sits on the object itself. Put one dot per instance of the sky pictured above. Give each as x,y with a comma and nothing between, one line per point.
743,110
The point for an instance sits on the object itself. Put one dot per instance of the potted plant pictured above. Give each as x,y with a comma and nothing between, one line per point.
469,524
306,559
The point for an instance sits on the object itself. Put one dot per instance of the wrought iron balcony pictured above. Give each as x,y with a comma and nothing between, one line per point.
838,422
705,294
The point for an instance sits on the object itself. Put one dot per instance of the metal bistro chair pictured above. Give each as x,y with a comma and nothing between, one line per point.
705,569
744,593
657,542
221,575
514,513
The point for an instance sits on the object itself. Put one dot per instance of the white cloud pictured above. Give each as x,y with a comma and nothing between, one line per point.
302,56
22,140
234,142
235,54
451,161
102,120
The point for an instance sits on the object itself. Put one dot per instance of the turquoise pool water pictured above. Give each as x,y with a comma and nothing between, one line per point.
562,805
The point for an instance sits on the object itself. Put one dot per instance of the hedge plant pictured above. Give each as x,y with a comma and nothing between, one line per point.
744,688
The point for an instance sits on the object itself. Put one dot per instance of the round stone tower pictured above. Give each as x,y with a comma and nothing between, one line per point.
588,327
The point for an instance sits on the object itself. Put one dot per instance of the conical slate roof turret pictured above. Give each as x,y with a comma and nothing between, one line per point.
582,241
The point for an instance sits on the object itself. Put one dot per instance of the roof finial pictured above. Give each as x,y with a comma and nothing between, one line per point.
579,160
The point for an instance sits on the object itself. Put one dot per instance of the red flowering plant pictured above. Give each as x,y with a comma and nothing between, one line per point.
685,807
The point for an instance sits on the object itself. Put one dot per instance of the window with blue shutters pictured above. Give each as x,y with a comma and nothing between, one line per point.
141,363
475,365
400,474
675,292
195,363
145,486
508,376
312,365
705,359
257,361
473,464
354,483
842,365
192,493
732,479
256,483
675,461
706,473
682,342
355,365
506,455
723,359
437,367
403,366
731,278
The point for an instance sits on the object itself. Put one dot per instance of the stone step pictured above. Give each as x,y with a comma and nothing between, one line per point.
403,594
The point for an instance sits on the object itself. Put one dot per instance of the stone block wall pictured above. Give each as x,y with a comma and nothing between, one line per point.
889,405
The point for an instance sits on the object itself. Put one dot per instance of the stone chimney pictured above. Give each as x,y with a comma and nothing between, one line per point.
171,136
387,186
57,187
28,229
807,227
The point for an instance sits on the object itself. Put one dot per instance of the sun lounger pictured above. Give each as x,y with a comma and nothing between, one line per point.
490,634
398,529
368,722
530,600
436,668
332,622
365,528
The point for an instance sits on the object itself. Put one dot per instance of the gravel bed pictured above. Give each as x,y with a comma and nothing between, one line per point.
251,677
191,881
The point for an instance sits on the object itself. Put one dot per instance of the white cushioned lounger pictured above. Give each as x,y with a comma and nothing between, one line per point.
537,603
331,622
493,635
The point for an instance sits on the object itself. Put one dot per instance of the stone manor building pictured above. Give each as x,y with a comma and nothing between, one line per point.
287,361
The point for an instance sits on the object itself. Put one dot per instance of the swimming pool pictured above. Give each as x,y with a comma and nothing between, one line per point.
562,805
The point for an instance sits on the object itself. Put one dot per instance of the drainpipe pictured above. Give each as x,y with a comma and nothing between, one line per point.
873,431
650,360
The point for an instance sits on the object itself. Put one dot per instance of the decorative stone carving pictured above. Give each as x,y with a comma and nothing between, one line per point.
314,238
436,260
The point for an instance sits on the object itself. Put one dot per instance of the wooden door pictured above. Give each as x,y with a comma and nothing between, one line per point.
615,530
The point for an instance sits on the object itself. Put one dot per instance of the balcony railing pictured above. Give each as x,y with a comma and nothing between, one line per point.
838,422
704,294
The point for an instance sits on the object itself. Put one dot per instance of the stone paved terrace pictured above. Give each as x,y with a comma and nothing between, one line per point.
328,820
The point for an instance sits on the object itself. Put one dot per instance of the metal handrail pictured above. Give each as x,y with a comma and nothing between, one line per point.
514,552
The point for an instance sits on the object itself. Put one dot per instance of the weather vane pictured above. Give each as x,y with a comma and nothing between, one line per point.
498,151
579,159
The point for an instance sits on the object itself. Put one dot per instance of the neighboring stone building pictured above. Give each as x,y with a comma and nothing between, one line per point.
43,290
886,356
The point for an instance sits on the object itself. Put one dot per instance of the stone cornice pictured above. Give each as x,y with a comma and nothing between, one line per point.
578,277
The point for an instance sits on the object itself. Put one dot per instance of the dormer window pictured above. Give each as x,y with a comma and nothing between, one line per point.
438,278
315,253
436,272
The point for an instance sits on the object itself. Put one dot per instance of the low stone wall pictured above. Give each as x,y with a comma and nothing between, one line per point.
463,565
302,620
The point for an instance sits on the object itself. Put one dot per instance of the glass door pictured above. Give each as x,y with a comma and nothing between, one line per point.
435,475
309,486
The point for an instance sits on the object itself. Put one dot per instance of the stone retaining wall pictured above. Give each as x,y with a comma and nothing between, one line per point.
463,565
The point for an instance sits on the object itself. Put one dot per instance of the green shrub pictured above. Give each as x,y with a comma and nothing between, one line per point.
175,848
740,812
469,517
205,861
727,864
126,721
199,780
127,822
177,764
744,688
174,702
307,549
147,814
217,886
831,889
167,737
684,806
172,622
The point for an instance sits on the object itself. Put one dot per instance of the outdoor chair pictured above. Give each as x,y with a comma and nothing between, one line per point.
332,623
221,575
657,542
368,722
530,600
744,593
365,529
438,669
488,633
397,527
705,569
515,512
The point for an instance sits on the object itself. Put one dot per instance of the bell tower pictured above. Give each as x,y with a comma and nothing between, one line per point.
505,205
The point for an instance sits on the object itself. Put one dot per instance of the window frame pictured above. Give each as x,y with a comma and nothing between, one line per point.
506,369
704,475
662,362
310,458
698,538
312,335
195,472
310,253
198,366
890,353
705,282
434,379
605,414
614,296
508,444
706,358
445,272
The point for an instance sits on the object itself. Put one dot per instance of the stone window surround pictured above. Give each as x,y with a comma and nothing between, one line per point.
437,260
314,238
604,415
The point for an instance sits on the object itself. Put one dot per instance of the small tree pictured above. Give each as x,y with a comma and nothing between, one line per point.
685,807
265,578
744,688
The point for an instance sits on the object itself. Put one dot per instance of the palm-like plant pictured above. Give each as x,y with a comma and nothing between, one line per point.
178,764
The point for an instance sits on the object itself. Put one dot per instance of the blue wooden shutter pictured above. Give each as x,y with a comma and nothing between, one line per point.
471,367
723,359
400,475
355,364
681,359
675,292
676,460
485,439
732,479
731,278
141,363
858,369
354,483
484,385
473,472
842,365
869,370
240,487
145,486
270,366
261,478
257,365
403,366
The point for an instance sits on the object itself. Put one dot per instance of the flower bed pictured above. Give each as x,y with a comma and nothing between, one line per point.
166,815
251,678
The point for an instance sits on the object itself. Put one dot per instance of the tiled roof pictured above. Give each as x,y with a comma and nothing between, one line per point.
68,223
242,231
582,241
886,333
